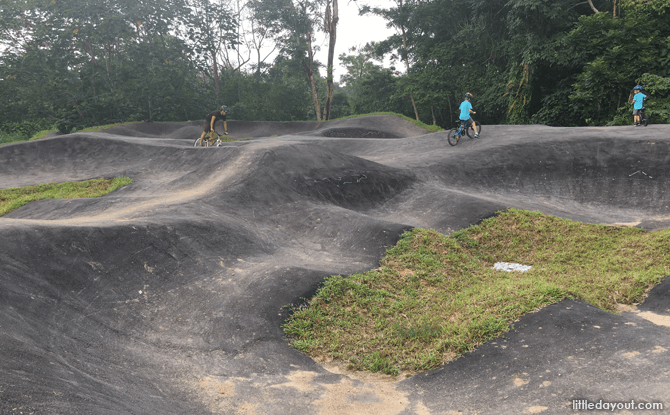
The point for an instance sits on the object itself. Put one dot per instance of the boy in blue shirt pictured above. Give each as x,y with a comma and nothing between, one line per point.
638,103
466,110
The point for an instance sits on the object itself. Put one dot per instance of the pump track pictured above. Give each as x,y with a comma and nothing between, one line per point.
167,296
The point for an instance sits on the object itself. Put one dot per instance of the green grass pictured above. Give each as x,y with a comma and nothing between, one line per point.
432,128
435,296
7,138
99,128
40,134
14,198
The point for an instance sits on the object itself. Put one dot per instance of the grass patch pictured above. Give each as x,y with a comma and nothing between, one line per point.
15,197
8,138
99,128
435,296
40,135
431,128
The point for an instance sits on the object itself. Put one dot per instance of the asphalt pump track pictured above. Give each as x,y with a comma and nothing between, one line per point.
167,295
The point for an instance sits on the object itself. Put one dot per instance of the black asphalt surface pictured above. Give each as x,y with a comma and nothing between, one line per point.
166,296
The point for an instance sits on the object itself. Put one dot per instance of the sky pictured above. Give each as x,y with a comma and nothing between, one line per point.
355,30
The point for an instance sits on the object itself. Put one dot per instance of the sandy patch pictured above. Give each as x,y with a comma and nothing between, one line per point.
216,392
299,380
655,318
366,393
519,381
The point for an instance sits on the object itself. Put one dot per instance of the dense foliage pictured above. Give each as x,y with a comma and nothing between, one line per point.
75,63
556,62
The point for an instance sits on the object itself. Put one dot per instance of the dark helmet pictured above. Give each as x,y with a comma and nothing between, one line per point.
224,108
468,95
639,87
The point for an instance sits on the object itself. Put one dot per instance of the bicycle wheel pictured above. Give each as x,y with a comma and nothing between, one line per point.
471,132
645,119
198,143
453,136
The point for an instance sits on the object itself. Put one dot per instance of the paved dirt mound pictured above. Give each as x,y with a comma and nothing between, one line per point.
167,296
375,126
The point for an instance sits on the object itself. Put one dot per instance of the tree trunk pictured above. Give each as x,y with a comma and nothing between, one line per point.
404,45
308,67
215,68
330,25
309,73
592,6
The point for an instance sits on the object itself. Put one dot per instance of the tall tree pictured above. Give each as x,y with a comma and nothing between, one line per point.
398,17
293,24
331,19
211,29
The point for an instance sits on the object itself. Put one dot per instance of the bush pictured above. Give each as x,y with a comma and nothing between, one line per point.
6,138
25,129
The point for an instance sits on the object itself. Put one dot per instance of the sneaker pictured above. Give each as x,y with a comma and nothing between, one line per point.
476,135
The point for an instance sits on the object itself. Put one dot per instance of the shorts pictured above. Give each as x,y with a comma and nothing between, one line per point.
468,122
636,112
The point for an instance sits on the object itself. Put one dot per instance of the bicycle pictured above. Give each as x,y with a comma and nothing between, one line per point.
457,132
206,142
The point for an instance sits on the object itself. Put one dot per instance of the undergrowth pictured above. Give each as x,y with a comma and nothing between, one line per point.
436,296
13,198
431,128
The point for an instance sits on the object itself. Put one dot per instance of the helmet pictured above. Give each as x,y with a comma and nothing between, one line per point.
224,108
639,87
468,95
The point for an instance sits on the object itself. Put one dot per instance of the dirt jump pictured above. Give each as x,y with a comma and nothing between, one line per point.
167,296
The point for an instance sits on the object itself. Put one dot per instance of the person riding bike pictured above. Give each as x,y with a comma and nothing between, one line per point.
638,102
466,110
210,119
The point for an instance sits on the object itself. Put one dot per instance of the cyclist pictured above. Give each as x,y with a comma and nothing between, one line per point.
638,102
210,119
466,110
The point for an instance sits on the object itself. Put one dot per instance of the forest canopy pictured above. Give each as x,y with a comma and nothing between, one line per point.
68,64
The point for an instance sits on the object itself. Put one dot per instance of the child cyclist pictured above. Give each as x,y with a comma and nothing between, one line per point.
466,110
210,119
638,102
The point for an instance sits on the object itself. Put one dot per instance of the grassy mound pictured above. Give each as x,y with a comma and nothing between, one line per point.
435,296
15,197
431,128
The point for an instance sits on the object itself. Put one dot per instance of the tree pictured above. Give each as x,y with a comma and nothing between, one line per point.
211,31
330,20
293,24
398,17
83,63
613,54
